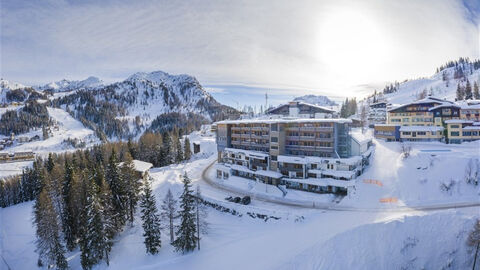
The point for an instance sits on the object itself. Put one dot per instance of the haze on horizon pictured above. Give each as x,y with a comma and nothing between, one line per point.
337,48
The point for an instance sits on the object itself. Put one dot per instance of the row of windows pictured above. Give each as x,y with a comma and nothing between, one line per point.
464,133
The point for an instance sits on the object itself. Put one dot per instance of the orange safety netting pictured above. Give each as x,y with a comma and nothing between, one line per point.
375,182
389,200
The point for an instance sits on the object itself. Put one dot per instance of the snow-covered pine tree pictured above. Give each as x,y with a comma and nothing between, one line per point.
68,219
186,234
169,212
132,185
476,92
49,245
150,218
179,150
117,186
93,241
460,92
468,90
108,218
187,150
201,215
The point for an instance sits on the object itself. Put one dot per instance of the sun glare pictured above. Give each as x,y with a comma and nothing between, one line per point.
351,41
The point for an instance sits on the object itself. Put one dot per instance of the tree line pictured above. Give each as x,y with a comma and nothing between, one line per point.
32,115
465,92
349,107
83,200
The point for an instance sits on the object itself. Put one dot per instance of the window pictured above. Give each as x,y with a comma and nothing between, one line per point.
274,158
274,127
455,126
406,133
467,133
274,147
421,133
274,139
406,120
395,120
454,133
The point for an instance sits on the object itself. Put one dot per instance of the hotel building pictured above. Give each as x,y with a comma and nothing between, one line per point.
311,154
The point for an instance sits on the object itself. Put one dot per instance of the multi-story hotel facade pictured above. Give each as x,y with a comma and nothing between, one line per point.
311,154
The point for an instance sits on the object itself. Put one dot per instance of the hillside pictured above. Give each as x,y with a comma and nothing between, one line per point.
67,85
442,84
317,100
125,109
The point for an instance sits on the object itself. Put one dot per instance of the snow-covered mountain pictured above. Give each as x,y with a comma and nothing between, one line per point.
67,85
317,100
127,108
443,84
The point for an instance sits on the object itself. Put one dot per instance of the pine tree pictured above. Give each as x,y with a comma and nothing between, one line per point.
93,240
201,215
150,219
169,212
50,162
468,90
460,92
108,218
476,93
186,234
131,186
119,194
178,146
188,152
68,219
49,246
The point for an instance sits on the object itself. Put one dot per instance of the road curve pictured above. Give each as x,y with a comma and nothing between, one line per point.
327,206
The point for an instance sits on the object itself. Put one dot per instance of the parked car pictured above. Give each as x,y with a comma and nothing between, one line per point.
246,200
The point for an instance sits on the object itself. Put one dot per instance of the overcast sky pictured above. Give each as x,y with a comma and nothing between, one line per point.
328,47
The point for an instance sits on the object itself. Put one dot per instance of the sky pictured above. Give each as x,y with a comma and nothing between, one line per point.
239,49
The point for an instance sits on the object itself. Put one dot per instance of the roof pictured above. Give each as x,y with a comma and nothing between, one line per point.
425,100
471,128
300,103
247,152
458,121
421,128
286,120
444,106
140,166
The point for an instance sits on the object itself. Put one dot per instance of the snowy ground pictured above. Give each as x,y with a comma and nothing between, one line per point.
69,128
320,240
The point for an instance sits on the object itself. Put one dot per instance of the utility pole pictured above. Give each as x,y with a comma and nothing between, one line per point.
266,101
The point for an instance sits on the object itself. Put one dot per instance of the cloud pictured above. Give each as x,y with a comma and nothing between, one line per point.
273,43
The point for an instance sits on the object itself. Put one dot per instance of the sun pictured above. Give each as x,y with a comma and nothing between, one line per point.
351,41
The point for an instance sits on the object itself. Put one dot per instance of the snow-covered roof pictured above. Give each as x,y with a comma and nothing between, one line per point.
472,127
443,106
269,173
458,121
425,100
241,168
311,159
286,120
140,166
421,128
323,182
301,103
292,159
250,153
361,138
